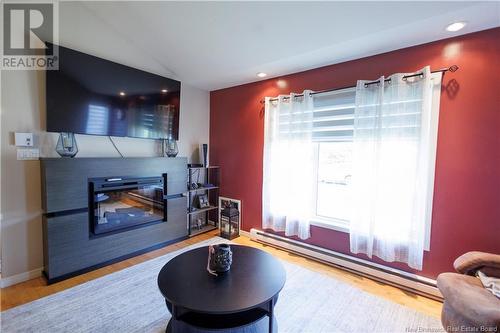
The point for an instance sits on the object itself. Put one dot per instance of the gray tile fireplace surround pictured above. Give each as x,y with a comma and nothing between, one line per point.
68,245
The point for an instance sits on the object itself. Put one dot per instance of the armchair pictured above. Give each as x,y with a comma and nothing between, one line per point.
468,306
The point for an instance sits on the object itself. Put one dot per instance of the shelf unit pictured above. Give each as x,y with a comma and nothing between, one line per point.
202,220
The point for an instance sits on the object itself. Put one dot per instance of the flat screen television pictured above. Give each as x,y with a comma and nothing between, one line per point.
90,95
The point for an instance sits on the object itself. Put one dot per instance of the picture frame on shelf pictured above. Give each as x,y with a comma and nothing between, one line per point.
203,201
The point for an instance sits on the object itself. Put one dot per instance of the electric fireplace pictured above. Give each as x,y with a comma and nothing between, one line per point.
121,203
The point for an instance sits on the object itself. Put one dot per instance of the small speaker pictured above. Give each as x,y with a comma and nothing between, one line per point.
204,154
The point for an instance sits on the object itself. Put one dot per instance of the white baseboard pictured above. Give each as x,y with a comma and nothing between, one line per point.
18,278
398,278
245,233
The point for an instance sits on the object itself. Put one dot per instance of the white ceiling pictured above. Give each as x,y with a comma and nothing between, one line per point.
212,45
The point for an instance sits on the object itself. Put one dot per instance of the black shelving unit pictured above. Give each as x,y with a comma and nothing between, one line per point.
202,220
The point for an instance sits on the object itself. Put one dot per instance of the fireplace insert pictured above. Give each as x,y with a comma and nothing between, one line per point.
120,203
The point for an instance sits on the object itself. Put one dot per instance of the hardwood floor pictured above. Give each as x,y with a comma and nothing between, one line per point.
37,288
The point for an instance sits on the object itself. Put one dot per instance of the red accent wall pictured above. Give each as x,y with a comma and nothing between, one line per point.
466,208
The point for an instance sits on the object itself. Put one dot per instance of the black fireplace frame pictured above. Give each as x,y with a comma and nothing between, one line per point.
99,184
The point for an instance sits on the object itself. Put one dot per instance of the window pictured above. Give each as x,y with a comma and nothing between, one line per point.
332,133
334,175
333,120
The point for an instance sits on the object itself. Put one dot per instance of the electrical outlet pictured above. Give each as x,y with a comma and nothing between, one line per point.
23,139
26,154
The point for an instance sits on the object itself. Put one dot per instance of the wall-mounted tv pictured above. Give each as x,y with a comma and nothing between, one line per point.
90,95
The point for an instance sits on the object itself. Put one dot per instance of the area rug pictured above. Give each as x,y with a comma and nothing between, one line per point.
129,301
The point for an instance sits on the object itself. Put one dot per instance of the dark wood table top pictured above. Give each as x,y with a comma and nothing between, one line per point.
254,278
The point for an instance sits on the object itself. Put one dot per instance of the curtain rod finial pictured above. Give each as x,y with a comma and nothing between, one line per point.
453,68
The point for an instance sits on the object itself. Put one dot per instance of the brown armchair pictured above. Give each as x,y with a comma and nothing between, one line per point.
468,306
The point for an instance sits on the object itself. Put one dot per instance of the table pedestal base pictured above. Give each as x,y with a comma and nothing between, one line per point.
259,326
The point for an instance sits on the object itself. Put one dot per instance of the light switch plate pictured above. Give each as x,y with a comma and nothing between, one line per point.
26,154
24,139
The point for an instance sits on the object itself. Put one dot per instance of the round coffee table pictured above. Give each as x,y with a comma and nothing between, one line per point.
241,300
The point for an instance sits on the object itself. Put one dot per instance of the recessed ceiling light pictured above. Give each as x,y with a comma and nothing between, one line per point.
164,90
122,93
260,74
455,26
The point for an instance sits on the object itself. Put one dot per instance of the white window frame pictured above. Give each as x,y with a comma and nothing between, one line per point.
343,225
322,221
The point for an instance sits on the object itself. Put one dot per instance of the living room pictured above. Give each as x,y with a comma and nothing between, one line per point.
250,166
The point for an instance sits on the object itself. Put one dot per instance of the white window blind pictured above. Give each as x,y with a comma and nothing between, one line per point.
333,117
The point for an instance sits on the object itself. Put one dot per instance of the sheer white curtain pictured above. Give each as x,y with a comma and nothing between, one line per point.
288,183
392,129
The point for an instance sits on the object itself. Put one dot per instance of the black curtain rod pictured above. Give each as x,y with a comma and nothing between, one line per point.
452,69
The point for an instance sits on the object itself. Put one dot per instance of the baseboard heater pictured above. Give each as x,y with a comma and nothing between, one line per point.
395,277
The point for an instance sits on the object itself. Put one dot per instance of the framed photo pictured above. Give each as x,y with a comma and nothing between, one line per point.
203,201
228,202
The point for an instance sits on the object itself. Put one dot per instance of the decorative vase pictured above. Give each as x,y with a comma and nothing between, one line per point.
220,258
66,145
170,148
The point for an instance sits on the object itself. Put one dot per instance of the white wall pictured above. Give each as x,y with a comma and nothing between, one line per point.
23,110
